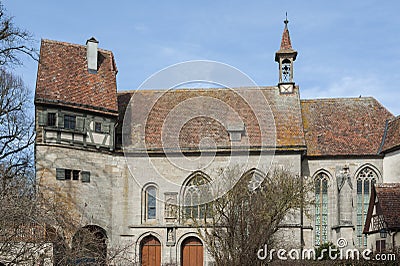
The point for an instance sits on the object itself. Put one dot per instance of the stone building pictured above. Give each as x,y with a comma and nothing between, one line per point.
345,144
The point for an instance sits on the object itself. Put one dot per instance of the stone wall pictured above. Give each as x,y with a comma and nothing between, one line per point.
332,167
113,199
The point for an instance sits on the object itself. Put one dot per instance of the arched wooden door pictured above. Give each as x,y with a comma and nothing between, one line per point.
192,252
150,251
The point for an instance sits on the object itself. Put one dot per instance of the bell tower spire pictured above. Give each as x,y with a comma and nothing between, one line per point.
285,58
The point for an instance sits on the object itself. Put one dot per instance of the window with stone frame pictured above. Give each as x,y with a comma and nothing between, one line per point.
365,179
75,174
194,208
151,203
321,208
71,174
68,174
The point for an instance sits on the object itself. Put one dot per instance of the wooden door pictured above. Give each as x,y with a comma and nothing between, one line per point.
192,252
151,251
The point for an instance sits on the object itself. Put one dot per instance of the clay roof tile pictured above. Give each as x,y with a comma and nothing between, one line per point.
63,77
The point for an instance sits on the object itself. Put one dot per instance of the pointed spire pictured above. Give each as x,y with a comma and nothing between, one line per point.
285,43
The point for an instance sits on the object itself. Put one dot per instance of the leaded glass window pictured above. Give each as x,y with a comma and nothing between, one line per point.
194,208
321,209
365,179
151,203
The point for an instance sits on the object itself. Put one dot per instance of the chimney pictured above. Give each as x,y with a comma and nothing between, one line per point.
91,54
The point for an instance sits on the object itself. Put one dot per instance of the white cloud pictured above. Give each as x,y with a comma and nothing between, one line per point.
354,86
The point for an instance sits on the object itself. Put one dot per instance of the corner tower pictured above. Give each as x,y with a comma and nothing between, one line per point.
285,58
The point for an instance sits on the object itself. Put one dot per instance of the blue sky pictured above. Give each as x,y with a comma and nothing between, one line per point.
346,48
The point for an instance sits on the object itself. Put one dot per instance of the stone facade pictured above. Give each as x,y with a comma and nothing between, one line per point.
133,196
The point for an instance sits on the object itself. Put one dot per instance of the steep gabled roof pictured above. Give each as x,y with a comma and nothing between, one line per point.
343,126
285,111
63,78
384,208
392,138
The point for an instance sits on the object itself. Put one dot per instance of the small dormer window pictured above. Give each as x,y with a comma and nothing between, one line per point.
236,131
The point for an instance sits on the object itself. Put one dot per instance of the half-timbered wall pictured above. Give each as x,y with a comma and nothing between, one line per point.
63,126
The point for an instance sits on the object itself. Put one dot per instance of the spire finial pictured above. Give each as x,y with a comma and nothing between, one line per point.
286,21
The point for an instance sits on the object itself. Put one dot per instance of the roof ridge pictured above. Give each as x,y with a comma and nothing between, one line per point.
394,119
72,44
337,98
198,89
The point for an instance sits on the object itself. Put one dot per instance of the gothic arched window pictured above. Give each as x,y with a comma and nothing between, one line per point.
365,178
194,197
150,199
321,209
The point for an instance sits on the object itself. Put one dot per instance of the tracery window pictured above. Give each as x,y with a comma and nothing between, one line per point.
321,209
365,179
193,199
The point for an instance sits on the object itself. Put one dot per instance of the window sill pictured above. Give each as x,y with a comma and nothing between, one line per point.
66,130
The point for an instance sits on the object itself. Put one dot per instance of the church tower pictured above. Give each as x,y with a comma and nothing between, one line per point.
285,58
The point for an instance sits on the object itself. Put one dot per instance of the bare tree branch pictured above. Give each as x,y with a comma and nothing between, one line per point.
248,217
14,42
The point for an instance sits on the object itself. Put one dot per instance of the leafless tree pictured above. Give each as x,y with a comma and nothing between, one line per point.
14,41
16,128
16,109
47,226
22,239
249,215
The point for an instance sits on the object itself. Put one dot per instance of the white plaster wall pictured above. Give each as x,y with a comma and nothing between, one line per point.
98,138
391,167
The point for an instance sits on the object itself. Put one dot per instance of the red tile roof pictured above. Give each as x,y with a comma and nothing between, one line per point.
285,109
392,139
343,126
346,126
63,78
388,195
384,208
